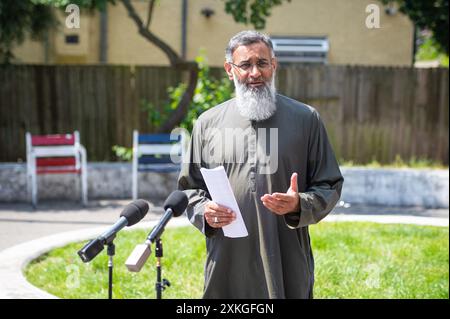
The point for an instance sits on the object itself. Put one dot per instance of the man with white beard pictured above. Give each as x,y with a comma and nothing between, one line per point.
256,103
279,194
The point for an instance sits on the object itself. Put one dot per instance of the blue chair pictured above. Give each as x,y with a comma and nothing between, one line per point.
155,153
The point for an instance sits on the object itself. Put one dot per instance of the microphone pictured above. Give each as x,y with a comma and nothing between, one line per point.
174,205
131,214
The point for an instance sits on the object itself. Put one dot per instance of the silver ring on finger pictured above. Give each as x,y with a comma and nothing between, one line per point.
216,220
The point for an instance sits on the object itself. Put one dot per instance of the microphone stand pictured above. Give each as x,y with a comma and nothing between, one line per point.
111,251
160,285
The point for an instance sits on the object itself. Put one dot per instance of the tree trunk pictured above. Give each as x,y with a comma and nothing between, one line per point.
177,116
180,112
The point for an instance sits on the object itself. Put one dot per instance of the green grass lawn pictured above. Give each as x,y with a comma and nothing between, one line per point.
353,260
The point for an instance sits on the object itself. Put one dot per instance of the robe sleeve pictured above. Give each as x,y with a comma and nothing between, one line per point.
324,179
191,182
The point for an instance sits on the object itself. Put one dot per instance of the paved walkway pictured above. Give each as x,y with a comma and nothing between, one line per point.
20,223
26,233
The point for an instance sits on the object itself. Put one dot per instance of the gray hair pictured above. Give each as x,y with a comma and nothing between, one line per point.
247,38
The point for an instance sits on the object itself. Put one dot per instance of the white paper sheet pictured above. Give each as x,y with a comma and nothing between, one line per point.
219,188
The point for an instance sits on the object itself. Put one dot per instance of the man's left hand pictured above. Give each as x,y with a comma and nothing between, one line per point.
283,203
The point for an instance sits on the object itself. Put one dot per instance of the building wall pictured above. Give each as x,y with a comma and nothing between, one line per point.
351,42
343,22
87,50
31,51
127,46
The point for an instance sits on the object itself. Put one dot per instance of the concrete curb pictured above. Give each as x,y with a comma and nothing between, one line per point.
13,261
396,187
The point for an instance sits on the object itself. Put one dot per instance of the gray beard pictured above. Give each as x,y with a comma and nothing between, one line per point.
256,104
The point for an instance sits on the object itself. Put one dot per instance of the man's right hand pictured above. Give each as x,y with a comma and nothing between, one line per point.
218,216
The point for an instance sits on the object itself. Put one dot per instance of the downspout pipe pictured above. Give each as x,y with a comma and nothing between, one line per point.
184,11
103,56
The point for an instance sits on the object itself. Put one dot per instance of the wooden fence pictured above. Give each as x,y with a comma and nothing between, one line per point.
371,113
377,113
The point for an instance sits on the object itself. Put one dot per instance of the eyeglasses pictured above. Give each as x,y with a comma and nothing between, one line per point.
247,66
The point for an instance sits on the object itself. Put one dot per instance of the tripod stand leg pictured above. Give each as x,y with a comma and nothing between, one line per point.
111,252
158,287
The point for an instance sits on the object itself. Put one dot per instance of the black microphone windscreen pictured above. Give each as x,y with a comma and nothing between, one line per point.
135,211
177,201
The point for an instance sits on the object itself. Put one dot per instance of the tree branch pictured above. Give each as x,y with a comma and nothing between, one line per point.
175,60
180,112
173,57
150,13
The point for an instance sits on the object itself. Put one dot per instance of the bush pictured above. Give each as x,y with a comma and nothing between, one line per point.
208,93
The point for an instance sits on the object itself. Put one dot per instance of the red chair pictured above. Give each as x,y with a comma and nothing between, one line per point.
55,154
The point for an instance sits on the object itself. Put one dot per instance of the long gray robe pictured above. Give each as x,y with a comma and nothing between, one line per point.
275,260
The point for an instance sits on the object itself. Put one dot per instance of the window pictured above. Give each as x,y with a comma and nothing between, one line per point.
72,39
301,49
